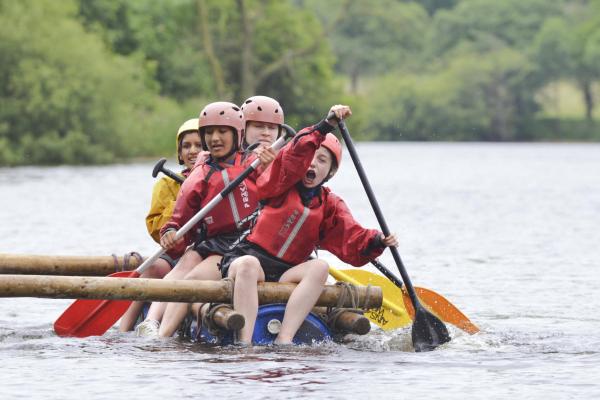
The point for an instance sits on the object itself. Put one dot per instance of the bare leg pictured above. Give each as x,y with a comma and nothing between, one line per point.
176,312
311,277
158,270
247,272
188,261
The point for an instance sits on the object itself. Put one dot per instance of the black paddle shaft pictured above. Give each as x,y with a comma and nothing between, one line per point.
388,274
377,210
428,331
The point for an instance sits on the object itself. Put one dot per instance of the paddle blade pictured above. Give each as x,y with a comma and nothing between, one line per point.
388,318
428,332
399,305
86,318
391,315
446,311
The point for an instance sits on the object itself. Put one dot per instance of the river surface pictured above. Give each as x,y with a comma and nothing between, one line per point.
508,232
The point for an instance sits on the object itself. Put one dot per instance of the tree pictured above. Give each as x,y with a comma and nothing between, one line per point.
586,53
369,38
488,24
473,98
64,97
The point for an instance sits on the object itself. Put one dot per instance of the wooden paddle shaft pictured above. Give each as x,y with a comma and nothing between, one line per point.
75,287
66,265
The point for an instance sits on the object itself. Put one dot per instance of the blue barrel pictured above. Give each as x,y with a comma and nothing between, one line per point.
312,330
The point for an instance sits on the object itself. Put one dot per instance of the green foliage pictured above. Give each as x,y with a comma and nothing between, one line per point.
290,61
369,38
65,97
473,98
93,81
432,6
486,25
562,129
553,49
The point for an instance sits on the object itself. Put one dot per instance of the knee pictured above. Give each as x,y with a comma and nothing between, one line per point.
247,268
320,271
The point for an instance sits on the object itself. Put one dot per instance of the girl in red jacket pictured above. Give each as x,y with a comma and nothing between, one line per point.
299,216
221,127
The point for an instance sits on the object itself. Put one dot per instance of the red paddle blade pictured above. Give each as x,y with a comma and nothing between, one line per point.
86,318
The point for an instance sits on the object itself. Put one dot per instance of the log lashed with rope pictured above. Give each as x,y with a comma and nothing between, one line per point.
344,320
72,287
30,264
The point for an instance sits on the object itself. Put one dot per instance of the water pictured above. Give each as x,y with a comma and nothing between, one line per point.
508,233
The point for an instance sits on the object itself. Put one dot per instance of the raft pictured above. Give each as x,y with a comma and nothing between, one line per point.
339,312
323,324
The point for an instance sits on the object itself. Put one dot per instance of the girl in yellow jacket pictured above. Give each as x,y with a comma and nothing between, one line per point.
164,195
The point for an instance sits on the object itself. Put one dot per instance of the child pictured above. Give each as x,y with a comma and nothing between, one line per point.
221,128
299,215
264,117
161,208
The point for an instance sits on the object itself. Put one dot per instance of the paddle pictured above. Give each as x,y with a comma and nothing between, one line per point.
397,314
94,317
428,332
160,167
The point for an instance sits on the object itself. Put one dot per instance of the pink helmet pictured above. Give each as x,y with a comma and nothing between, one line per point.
332,144
222,113
263,109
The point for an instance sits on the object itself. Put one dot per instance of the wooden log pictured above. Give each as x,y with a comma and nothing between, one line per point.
225,317
66,265
75,287
346,321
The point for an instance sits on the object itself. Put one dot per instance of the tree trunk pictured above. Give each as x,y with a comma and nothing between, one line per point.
248,83
209,49
588,98
354,80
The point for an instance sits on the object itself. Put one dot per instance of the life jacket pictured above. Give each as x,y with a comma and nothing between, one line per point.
226,216
288,229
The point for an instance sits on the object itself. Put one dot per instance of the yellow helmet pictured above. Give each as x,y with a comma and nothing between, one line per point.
191,125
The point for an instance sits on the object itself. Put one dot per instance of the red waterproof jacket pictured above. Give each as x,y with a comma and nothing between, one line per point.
289,230
204,183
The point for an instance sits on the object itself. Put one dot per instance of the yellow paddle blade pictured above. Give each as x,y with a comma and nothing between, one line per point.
434,302
388,317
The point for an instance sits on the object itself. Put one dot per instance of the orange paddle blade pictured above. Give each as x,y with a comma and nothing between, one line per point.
441,307
86,318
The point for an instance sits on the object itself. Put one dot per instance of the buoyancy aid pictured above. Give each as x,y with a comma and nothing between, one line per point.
204,183
291,230
239,203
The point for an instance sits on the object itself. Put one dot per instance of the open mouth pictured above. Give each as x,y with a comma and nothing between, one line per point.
311,174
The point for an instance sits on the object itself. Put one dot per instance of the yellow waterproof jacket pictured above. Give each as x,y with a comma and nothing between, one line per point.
164,195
